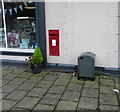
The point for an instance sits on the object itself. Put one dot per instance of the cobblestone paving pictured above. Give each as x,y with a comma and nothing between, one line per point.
56,91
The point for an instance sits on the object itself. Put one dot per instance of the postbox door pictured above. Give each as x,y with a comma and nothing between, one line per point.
54,42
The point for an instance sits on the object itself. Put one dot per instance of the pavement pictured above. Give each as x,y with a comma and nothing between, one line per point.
54,91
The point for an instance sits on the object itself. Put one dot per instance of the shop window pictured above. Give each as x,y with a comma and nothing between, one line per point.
20,21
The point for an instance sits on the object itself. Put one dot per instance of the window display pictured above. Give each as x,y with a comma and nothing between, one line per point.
20,27
24,35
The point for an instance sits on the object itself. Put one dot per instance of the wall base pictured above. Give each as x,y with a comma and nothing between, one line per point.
63,67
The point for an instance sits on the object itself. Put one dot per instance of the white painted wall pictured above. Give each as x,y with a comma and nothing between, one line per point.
119,34
84,26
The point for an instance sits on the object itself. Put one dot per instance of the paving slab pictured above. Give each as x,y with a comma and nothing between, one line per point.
26,75
34,79
75,80
0,83
28,103
1,74
88,103
26,86
4,82
15,109
10,68
42,74
57,89
108,99
91,84
37,92
18,71
43,107
117,86
8,104
107,89
105,77
6,72
50,77
66,105
61,82
51,99
65,76
54,73
16,95
4,95
44,84
9,88
108,107
90,92
74,87
9,77
71,96
116,79
106,82
18,81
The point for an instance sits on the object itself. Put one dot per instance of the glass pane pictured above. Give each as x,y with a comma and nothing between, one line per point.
21,25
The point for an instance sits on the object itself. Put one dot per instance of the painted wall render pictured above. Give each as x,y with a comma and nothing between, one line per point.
84,26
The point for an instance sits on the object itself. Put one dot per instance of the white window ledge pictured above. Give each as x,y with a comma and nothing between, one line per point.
17,50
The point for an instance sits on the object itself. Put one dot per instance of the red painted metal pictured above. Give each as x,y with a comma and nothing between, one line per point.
54,42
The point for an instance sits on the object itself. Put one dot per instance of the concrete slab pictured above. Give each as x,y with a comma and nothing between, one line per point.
4,82
18,81
75,80
88,103
57,89
8,104
89,92
66,105
91,84
51,99
42,74
37,92
65,76
74,87
61,82
34,79
107,89
44,84
108,107
50,77
108,99
10,77
4,95
71,96
9,88
18,71
43,107
26,86
26,75
106,82
28,103
16,95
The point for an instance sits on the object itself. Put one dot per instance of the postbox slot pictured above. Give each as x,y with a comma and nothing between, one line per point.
53,34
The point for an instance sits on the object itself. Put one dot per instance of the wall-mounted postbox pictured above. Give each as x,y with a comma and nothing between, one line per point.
54,42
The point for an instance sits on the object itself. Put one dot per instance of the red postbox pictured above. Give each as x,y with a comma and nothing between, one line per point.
54,42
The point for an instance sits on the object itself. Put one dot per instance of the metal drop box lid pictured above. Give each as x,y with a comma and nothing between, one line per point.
87,54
